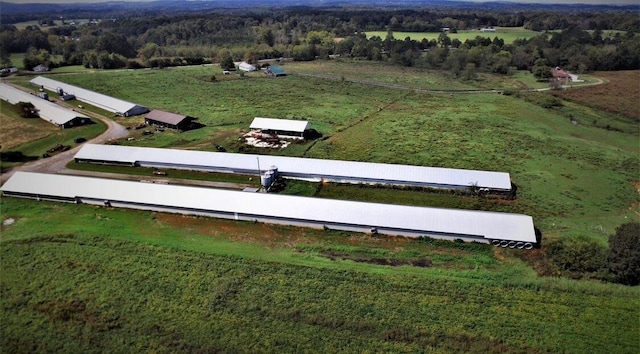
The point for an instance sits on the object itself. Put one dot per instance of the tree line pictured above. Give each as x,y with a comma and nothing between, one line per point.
573,40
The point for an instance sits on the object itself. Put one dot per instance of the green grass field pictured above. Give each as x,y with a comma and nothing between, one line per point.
81,278
508,34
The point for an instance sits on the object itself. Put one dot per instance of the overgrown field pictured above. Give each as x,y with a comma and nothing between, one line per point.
619,94
508,34
88,279
574,165
17,130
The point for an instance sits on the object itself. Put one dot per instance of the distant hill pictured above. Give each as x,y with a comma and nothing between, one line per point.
102,9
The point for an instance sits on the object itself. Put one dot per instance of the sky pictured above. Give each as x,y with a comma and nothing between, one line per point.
621,2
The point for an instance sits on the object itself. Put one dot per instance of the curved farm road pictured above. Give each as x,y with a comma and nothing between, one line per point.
58,162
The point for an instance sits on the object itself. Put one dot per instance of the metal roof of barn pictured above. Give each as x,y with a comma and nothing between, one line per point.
280,124
105,102
277,70
166,117
490,225
48,111
303,168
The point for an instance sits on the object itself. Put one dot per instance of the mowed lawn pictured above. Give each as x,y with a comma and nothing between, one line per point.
508,34
574,176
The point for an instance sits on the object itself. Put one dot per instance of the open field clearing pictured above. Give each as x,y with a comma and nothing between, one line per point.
508,34
380,72
80,278
574,178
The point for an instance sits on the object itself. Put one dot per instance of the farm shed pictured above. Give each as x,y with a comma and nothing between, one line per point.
295,167
99,100
509,230
280,127
244,66
169,120
51,112
275,71
41,68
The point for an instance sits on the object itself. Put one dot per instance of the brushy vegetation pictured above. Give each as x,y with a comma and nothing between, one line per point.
613,96
72,288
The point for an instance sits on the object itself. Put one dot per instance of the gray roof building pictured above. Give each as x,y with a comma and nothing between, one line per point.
295,167
48,111
99,100
512,230
168,119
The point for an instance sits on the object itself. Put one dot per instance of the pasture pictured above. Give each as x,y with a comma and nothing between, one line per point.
508,34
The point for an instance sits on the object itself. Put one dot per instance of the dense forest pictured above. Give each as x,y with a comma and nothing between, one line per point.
573,40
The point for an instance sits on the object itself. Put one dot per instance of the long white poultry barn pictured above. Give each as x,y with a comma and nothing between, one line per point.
500,229
108,103
48,111
295,167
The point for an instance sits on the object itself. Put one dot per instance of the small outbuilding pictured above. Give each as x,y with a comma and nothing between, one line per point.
275,71
244,66
280,127
169,120
41,68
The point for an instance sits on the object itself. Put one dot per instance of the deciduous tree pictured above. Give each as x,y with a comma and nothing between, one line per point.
624,254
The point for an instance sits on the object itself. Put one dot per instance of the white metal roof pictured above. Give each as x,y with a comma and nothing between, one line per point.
491,225
280,124
300,167
244,66
48,111
105,102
